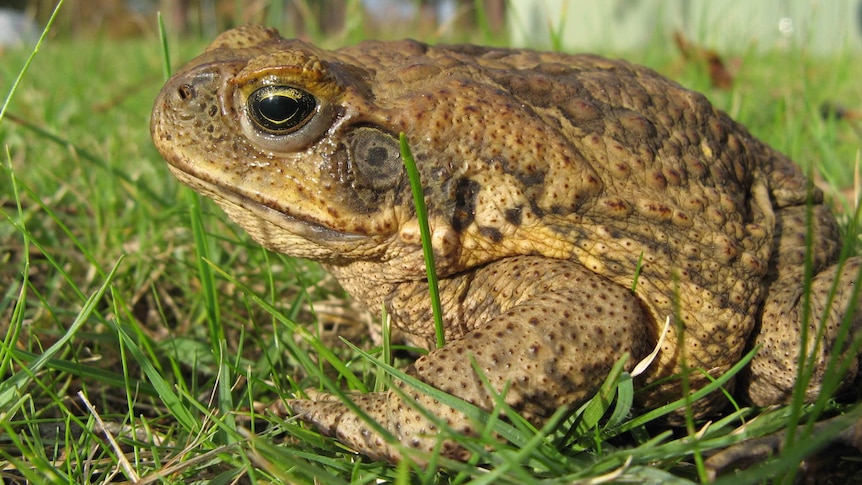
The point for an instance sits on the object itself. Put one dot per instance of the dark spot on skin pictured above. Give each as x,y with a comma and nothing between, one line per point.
536,209
465,203
514,216
491,233
531,178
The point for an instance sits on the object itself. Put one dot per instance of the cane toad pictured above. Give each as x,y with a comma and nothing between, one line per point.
552,181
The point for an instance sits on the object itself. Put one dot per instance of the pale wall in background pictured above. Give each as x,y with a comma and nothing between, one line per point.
820,26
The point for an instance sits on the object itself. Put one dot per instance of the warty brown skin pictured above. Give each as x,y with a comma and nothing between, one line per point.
547,176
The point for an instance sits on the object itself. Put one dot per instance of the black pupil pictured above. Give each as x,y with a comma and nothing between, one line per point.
281,109
278,108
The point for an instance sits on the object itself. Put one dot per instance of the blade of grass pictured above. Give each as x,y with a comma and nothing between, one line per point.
386,326
324,352
16,322
425,232
286,464
165,390
790,458
679,403
624,402
637,276
10,386
94,374
593,411
507,431
166,53
224,397
113,172
19,186
307,363
29,60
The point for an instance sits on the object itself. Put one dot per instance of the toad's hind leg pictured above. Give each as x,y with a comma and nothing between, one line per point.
832,291
554,346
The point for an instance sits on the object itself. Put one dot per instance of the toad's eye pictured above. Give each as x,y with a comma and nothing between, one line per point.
280,110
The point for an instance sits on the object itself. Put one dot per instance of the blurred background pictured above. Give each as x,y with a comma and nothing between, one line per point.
822,26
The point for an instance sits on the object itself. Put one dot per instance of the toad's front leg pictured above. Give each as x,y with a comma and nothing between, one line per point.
551,344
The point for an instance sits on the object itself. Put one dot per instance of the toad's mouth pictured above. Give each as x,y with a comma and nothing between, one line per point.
242,207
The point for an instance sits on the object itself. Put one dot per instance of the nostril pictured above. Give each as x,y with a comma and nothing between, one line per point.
186,92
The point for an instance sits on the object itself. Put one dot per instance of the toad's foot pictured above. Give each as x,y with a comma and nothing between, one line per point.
407,425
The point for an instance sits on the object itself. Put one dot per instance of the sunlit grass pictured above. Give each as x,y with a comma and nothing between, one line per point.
121,286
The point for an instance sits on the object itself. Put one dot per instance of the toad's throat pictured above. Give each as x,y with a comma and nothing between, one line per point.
242,206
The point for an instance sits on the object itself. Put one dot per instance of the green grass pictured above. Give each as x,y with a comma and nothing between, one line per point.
123,288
